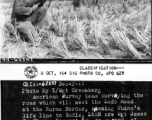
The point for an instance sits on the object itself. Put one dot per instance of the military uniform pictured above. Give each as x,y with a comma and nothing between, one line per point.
25,19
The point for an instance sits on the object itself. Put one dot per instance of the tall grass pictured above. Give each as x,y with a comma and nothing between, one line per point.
107,31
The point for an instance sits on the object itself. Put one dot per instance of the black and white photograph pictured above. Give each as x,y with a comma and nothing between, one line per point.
102,30
75,60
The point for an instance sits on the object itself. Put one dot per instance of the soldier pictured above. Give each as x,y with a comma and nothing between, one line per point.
95,2
76,3
27,14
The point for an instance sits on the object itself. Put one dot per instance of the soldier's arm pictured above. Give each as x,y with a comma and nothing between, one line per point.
30,3
21,9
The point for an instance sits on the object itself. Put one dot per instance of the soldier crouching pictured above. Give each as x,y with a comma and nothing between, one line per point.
28,14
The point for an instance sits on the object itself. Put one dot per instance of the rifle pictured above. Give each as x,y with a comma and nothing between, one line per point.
33,2
49,3
43,2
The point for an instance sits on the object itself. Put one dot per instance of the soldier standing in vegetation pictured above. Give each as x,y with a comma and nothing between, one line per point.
76,3
27,14
95,2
